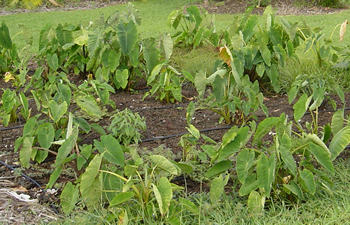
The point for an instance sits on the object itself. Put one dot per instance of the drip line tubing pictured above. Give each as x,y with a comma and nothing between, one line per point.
176,135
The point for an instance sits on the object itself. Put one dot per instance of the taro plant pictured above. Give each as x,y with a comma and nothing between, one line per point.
126,126
9,109
196,24
123,179
234,97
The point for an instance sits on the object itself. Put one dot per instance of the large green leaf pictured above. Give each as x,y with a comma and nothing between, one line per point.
256,202
5,39
322,156
194,15
200,82
163,194
69,197
46,135
287,157
264,127
244,161
164,164
88,104
52,60
337,121
236,144
121,78
57,110
26,151
113,152
66,147
151,54
94,40
266,173
218,168
309,182
294,187
217,188
218,89
266,54
317,141
250,184
64,92
127,35
121,198
339,142
89,185
167,46
301,106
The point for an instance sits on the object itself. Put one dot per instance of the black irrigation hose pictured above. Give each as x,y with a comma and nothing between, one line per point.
31,180
11,128
175,135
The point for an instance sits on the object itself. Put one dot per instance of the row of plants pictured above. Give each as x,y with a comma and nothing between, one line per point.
112,173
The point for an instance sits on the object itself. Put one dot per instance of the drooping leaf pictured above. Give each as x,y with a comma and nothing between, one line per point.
301,106
250,184
287,157
89,105
121,198
190,206
164,164
337,121
165,192
200,82
340,140
217,188
94,40
322,156
193,131
225,55
256,202
294,188
317,141
26,151
151,54
218,168
167,46
66,147
69,197
244,161
5,39
309,181
113,152
266,173
237,142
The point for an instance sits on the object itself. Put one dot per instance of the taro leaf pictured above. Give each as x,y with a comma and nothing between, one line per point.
309,182
111,184
84,155
295,189
198,37
46,135
83,124
322,156
250,184
200,82
226,56
174,18
82,38
5,39
301,106
24,110
167,46
217,188
188,205
164,164
26,151
163,194
281,53
156,70
89,185
121,78
193,131
264,127
121,198
273,75
292,93
89,105
235,144
151,54
94,40
218,168
65,92
327,133
287,157
127,35
194,15
69,197
187,168
66,147
57,111
244,161
337,121
218,89
98,128
266,172
113,152
54,176
256,202
340,140
266,54
113,60
189,112
64,36
313,138
52,60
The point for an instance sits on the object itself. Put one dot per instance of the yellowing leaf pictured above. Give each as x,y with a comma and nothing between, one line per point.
342,30
8,77
225,55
